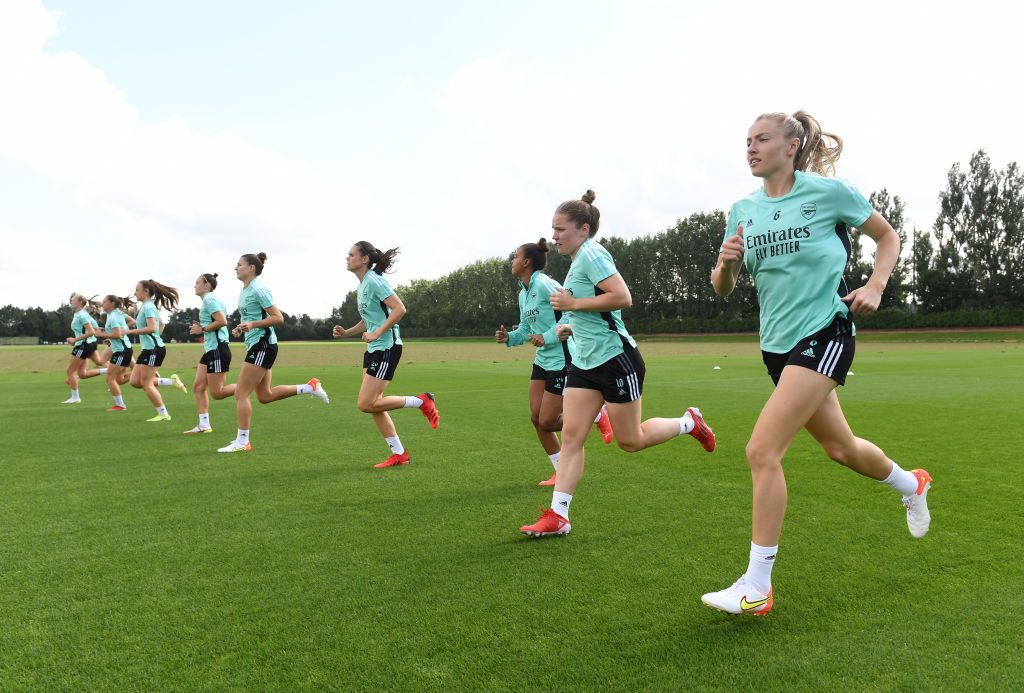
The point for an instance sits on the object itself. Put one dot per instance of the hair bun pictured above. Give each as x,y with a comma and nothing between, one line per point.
543,244
589,197
262,257
215,275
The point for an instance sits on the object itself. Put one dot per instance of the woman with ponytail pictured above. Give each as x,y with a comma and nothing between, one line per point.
381,309
115,329
152,295
792,235
606,369
216,360
83,345
259,315
537,322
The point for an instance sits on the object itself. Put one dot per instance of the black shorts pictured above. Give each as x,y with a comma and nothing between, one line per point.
154,358
620,379
121,358
83,350
217,360
383,364
554,381
262,354
829,351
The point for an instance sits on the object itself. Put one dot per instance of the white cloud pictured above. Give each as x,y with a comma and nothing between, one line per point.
186,200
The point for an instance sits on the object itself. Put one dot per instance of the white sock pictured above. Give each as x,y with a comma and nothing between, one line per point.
164,382
560,503
119,400
554,459
685,424
413,402
602,411
902,481
395,444
204,420
759,570
306,389
243,436
103,371
162,410
75,395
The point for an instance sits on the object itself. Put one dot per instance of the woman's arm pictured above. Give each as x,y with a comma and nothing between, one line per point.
397,313
865,299
616,296
730,262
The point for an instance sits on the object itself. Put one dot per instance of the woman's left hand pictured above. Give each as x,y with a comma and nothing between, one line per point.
562,300
864,300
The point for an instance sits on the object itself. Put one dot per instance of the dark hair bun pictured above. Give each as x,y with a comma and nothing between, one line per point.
543,244
215,275
589,197
262,257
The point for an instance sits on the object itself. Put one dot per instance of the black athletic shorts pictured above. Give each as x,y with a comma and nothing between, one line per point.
262,354
829,351
83,350
554,381
383,364
620,379
217,360
121,358
154,358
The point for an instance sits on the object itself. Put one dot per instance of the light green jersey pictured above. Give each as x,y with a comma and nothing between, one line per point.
797,247
78,323
371,294
153,340
252,305
211,305
115,318
599,336
536,316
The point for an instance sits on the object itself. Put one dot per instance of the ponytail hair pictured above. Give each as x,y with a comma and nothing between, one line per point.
124,303
254,259
91,305
819,151
380,262
165,297
211,279
582,211
536,253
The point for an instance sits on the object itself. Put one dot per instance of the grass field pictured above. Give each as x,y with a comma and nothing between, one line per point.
135,558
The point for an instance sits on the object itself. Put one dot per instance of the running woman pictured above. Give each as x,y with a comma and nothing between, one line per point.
537,321
152,294
115,329
380,309
83,345
792,235
606,368
216,360
259,315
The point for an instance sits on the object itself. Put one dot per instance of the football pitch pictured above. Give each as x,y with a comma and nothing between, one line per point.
133,557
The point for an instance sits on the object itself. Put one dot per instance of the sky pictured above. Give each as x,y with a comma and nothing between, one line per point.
161,140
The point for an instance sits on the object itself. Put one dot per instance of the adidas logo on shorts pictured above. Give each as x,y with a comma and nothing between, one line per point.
808,352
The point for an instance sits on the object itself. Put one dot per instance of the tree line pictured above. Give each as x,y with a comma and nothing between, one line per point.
966,270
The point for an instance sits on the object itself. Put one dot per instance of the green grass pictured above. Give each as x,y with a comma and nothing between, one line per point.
135,558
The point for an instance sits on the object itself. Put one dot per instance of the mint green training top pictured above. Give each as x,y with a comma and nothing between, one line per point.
536,316
796,249
153,340
371,294
211,305
78,323
115,318
252,304
599,336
